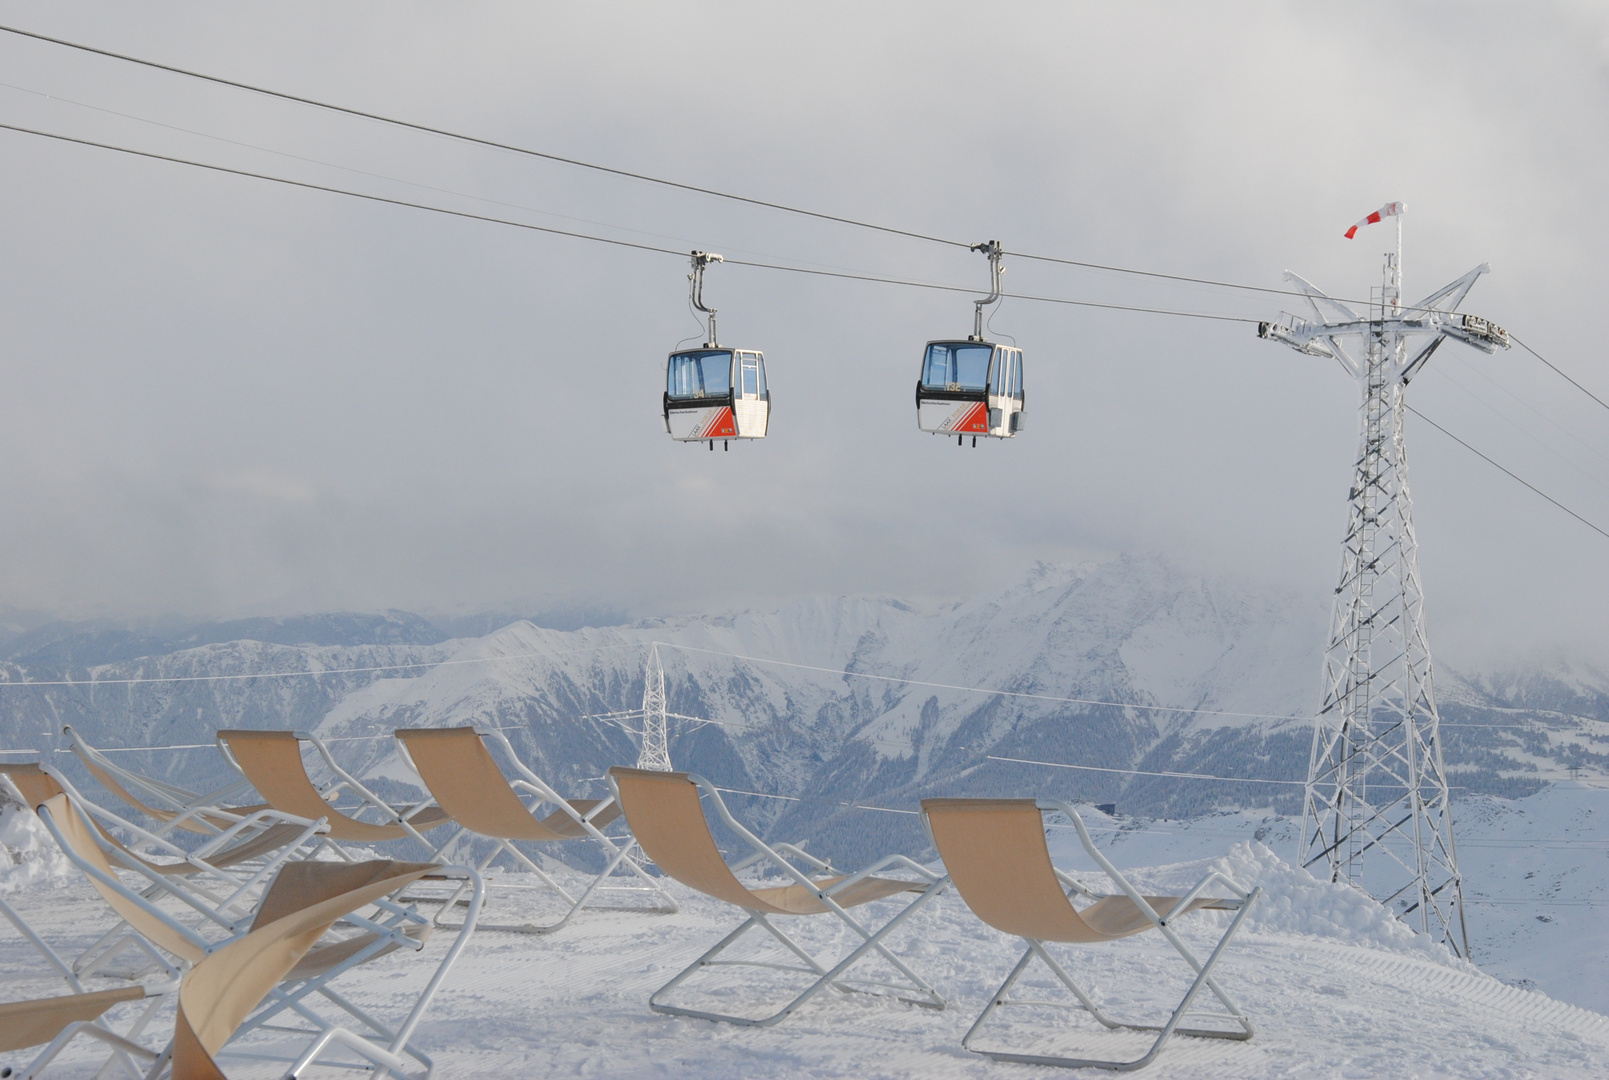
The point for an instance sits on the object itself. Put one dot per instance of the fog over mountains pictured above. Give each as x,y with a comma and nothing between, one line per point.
827,705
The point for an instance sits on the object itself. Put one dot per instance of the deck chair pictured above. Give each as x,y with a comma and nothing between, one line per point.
465,781
995,852
54,1022
272,761
180,945
222,990
221,880
666,816
206,813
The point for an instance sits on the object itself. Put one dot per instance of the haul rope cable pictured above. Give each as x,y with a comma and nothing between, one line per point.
330,189
1507,472
738,262
326,164
365,172
625,173
1561,374
603,224
1446,373
647,178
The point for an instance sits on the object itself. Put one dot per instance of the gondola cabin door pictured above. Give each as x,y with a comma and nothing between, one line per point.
970,388
716,394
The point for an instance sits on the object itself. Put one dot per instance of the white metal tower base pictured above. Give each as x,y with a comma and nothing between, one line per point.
1377,813
655,752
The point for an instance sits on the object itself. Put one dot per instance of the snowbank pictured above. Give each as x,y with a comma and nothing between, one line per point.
29,858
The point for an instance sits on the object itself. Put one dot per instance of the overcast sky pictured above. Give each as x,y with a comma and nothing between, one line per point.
223,396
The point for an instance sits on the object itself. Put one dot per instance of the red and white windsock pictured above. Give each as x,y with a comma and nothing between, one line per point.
1390,209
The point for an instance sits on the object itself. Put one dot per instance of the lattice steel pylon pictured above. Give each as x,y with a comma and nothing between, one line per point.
655,752
1376,795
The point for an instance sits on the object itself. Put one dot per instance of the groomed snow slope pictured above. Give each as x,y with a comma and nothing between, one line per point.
1336,987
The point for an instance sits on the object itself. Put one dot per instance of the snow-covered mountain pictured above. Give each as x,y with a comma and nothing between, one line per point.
826,704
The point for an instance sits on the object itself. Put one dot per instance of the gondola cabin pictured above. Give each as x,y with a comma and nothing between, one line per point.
716,394
970,388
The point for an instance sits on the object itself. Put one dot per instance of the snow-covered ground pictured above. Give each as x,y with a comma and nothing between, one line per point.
1536,877
1336,986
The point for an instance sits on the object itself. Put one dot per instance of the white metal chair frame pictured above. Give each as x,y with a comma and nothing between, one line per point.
390,930
1241,903
393,1047
368,801
157,844
124,1049
918,992
191,808
219,895
619,855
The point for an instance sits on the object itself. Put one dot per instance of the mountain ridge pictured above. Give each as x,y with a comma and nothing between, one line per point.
1124,668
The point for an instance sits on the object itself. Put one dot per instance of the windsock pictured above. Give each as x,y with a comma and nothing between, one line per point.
1390,209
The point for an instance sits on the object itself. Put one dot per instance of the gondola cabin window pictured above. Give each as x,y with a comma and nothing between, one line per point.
699,374
753,381
952,365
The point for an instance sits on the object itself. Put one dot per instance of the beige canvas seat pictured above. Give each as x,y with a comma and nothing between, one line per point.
177,808
465,781
279,837
222,882
995,852
223,989
181,945
666,816
272,761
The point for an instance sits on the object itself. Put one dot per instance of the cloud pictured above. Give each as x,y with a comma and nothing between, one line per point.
221,395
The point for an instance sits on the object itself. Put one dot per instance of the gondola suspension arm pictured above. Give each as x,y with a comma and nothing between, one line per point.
995,253
700,260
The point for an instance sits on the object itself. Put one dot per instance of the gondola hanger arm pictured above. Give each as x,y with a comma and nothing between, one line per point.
995,253
701,259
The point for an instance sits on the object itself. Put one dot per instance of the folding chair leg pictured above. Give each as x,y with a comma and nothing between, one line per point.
619,856
825,977
118,1044
1165,1031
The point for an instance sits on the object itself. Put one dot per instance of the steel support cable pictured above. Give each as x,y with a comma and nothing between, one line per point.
1560,374
1507,472
477,140
489,219
1446,373
624,173
319,161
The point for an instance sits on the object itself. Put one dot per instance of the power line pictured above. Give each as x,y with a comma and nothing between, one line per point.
973,689
842,275
1507,472
1143,772
311,672
1561,374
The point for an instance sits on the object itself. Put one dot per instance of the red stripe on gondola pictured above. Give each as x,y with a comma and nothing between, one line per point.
721,425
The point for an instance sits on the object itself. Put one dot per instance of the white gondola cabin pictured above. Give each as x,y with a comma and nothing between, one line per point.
972,387
714,394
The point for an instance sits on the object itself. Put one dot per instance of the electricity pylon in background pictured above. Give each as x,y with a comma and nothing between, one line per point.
653,737
1376,794
655,752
